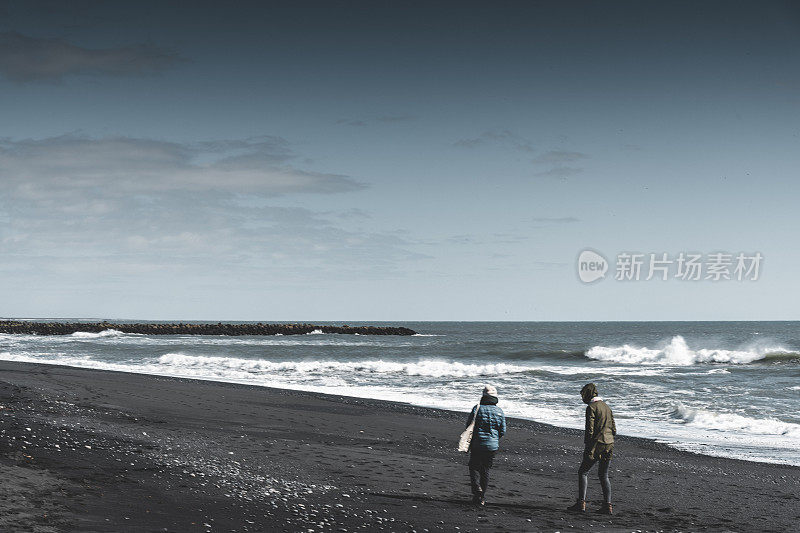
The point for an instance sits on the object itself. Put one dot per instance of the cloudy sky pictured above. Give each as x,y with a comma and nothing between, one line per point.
394,160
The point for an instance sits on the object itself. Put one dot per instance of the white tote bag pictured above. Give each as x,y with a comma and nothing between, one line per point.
466,437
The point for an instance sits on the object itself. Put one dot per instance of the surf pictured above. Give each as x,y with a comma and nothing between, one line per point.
712,420
678,353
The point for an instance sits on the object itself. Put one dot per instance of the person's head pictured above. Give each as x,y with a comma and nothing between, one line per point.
588,392
489,390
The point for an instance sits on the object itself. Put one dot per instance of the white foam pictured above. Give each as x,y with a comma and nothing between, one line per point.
424,367
678,353
99,335
702,418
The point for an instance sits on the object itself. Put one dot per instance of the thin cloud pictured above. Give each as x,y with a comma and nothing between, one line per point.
33,59
394,118
560,172
561,163
555,220
350,122
120,207
126,165
555,157
479,240
363,122
202,233
353,214
505,138
547,265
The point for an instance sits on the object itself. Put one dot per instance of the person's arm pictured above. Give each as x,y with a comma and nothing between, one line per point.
471,416
502,429
613,424
588,433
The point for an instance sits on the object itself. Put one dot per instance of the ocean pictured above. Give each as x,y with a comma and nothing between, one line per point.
727,389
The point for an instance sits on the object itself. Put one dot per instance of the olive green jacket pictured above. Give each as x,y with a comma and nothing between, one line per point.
600,426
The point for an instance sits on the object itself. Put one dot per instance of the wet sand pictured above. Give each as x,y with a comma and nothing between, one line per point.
90,450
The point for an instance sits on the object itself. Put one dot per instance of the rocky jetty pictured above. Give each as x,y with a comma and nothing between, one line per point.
155,328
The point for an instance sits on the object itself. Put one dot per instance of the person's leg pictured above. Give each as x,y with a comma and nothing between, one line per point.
486,465
605,483
583,476
583,481
475,475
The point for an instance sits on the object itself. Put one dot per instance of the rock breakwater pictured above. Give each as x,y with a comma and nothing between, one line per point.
181,328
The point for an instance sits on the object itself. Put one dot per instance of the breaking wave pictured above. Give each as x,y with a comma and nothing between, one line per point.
704,419
226,368
101,334
432,368
678,353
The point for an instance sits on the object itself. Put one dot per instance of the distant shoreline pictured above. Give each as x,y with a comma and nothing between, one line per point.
88,320
182,328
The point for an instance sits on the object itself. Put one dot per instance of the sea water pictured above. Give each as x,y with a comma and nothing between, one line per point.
720,388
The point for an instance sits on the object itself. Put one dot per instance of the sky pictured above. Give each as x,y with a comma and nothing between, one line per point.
387,161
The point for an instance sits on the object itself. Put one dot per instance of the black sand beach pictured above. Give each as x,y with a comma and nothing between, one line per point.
85,450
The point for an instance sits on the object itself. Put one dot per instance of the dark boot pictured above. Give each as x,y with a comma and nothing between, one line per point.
578,507
477,499
606,509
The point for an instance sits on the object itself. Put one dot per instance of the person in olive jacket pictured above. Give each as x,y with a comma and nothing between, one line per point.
490,425
599,447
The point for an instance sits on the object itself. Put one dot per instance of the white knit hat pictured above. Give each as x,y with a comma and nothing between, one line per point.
489,390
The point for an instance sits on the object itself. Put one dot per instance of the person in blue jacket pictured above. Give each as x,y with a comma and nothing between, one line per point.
490,425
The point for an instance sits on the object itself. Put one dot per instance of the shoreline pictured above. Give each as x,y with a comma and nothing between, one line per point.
326,393
254,457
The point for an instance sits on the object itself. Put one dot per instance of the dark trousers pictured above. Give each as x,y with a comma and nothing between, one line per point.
480,462
602,473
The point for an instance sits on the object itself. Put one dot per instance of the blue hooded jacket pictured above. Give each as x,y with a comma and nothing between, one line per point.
489,427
